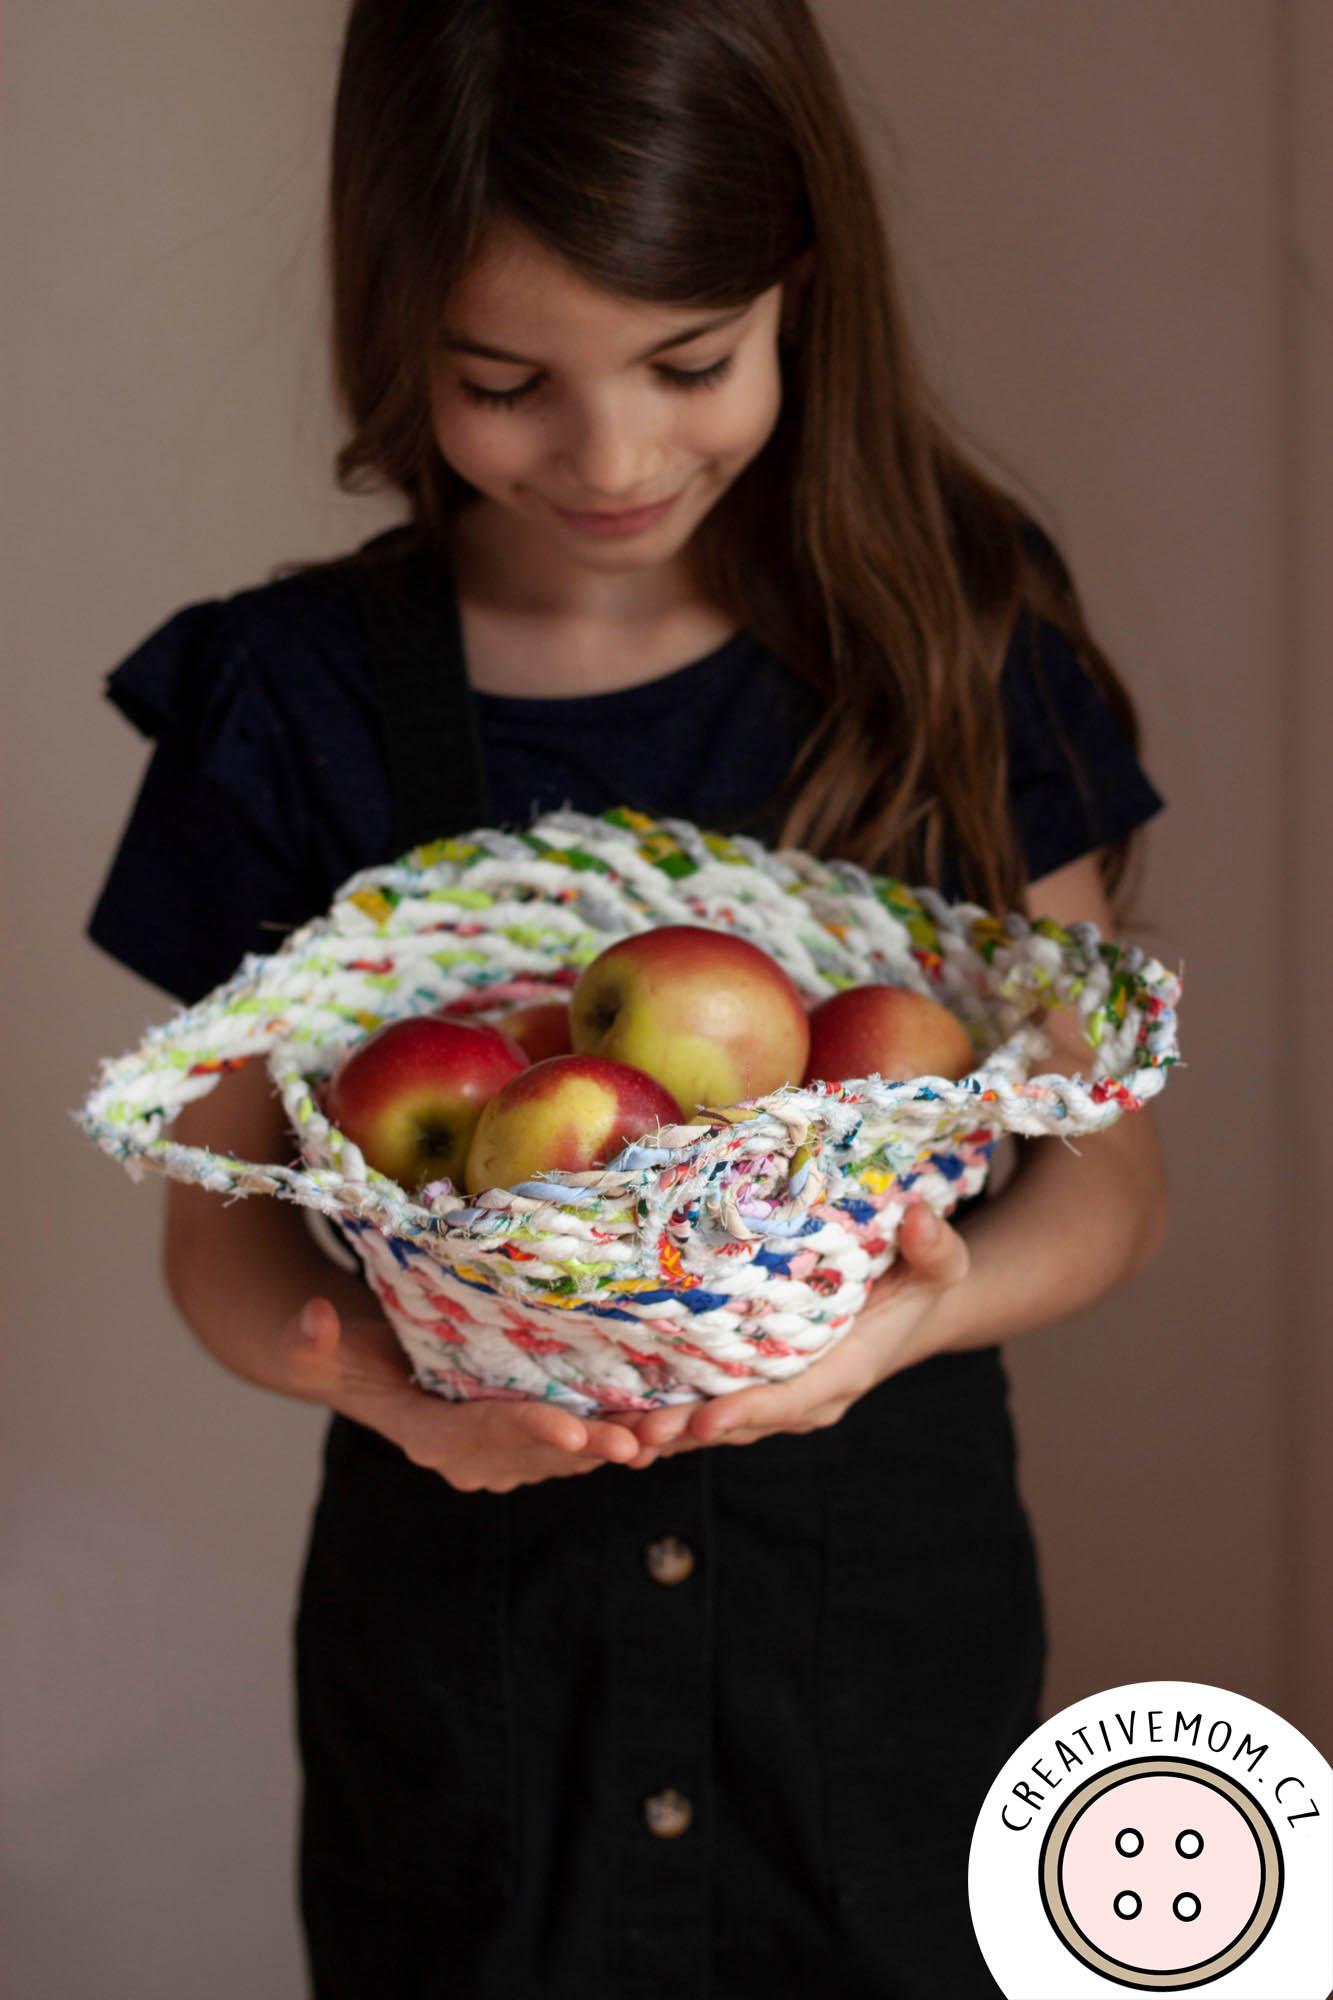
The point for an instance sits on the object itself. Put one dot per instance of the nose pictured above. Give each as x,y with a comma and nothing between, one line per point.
615,463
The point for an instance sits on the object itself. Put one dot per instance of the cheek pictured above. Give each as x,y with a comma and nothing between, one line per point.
740,422
479,444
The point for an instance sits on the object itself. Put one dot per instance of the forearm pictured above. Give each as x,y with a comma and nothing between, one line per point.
1069,1228
241,1274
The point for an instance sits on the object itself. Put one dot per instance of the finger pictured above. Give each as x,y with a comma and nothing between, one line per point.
559,1465
613,1441
779,1406
318,1328
734,1412
743,1434
364,1353
585,1436
935,1251
309,1342
659,1427
685,1442
823,1417
544,1424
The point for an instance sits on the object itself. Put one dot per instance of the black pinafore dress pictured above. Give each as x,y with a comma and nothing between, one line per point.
713,1729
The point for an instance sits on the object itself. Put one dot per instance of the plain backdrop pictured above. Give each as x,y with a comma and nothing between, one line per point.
1109,215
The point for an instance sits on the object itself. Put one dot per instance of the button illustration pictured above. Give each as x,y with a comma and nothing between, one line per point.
1161,1873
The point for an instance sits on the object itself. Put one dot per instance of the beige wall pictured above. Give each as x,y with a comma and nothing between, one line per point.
1109,213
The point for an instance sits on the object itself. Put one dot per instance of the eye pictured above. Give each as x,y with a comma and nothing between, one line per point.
679,378
699,378
498,399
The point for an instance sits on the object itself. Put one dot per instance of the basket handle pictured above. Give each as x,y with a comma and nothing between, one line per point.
137,1095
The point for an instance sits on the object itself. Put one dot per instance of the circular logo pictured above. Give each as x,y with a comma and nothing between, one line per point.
1158,1837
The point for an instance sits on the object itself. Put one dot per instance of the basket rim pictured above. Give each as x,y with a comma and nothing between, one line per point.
263,988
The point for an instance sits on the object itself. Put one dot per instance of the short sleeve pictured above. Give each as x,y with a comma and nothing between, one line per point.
1075,782
211,860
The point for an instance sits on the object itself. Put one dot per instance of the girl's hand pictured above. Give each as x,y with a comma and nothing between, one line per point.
892,1330
359,1369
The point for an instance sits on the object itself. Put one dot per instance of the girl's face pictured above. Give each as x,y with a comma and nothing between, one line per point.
598,405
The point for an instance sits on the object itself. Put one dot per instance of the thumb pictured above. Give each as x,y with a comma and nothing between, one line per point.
936,1252
312,1335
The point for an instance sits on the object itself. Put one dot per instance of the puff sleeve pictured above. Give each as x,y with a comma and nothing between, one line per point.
1075,783
212,859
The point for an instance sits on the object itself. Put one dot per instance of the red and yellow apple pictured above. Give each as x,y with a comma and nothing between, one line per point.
887,1031
568,1114
410,1094
539,1026
712,1017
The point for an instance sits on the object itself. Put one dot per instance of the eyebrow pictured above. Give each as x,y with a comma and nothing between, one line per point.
461,345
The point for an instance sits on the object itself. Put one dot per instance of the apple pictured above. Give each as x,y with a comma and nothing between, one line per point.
568,1113
887,1031
410,1094
540,1026
709,1014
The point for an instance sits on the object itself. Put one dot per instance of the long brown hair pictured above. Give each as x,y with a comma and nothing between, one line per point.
694,155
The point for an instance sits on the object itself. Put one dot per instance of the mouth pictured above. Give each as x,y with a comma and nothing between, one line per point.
623,521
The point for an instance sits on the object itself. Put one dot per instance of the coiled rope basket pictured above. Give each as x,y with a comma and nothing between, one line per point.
734,1249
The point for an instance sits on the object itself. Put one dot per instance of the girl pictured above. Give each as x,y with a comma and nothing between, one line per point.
712,1721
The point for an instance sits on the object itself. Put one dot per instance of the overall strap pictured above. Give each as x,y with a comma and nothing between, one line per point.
428,715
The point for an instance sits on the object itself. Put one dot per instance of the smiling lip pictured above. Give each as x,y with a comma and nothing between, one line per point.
628,523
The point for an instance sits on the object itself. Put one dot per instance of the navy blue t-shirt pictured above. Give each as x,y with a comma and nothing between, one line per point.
268,783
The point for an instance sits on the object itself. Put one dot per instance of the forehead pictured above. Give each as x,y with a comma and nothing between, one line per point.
519,295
